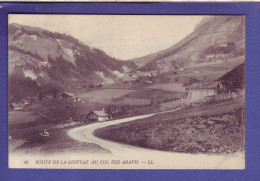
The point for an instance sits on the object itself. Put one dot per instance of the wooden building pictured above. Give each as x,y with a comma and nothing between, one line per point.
97,116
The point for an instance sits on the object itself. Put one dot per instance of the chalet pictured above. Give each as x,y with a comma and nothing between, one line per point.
97,116
16,106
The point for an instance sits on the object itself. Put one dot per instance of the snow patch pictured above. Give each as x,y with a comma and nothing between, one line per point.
125,68
117,73
69,52
30,73
34,37
101,75
58,42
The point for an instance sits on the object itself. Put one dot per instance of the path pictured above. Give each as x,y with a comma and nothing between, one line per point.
161,159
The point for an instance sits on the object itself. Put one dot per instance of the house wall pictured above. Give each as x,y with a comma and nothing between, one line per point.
92,116
195,95
16,108
102,118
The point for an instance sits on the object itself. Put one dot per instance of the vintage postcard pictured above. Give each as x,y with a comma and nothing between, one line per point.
126,91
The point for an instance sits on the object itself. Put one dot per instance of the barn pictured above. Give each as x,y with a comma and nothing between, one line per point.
97,116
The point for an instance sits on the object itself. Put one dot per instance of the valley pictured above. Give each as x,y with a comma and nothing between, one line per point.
56,83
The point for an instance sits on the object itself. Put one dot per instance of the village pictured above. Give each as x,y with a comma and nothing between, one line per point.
193,94
68,96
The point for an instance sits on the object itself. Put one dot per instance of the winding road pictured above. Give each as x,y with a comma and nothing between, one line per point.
152,159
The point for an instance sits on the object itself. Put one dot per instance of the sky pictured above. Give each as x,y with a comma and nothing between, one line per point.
120,36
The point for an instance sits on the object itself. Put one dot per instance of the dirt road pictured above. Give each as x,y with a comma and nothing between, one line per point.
157,159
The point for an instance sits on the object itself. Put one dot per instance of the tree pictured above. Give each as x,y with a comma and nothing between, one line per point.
117,108
40,96
54,93
177,79
231,47
156,101
111,109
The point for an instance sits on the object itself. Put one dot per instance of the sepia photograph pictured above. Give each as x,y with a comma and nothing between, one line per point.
126,91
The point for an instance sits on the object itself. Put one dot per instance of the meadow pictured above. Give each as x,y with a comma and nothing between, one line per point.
174,87
103,96
17,117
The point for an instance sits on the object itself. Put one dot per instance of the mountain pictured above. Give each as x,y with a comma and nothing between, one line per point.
45,58
213,37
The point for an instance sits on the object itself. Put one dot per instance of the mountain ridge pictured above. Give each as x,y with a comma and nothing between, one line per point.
58,59
211,31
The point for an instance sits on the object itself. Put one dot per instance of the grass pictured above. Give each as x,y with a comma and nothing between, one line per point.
18,117
211,70
22,124
175,87
133,101
103,95
147,93
57,142
210,128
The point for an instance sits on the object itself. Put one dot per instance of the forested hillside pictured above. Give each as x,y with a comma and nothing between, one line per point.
46,58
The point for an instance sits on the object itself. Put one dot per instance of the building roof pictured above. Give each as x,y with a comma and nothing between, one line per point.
17,104
100,113
68,94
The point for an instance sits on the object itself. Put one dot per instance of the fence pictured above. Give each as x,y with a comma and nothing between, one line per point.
65,125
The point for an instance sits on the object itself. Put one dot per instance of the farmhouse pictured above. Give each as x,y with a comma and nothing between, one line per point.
97,116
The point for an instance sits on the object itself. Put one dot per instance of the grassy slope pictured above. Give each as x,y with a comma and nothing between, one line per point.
210,70
29,122
57,142
103,96
208,128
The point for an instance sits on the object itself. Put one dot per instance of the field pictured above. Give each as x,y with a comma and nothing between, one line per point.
17,117
208,71
198,127
42,115
103,95
133,101
148,93
174,87
209,128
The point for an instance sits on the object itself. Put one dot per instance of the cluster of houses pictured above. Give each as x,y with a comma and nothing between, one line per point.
71,97
16,106
143,78
67,96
